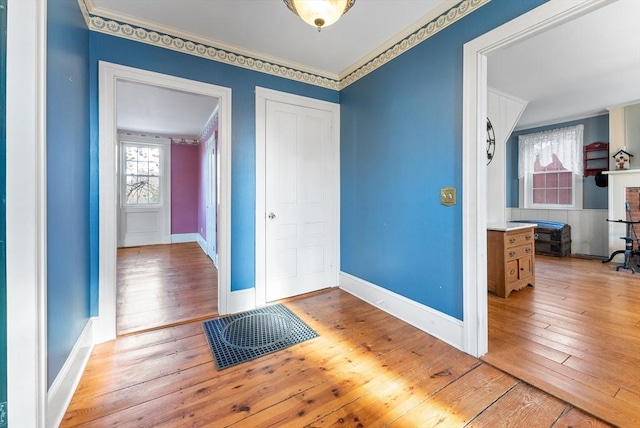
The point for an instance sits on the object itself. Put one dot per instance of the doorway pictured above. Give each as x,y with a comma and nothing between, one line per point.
164,276
474,156
109,76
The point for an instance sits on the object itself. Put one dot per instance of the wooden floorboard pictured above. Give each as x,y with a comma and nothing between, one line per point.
576,335
365,369
163,285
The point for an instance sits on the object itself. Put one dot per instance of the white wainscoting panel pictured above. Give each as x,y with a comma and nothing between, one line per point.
437,324
588,227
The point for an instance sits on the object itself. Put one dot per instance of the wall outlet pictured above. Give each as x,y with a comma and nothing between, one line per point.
448,196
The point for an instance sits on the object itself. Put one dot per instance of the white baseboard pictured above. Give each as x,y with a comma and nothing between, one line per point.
180,238
65,384
203,244
436,323
242,300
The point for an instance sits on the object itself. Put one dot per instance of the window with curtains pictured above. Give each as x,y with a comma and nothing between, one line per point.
550,168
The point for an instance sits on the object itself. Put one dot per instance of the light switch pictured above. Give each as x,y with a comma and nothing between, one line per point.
448,196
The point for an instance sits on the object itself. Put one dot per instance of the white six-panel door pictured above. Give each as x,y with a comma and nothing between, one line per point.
299,200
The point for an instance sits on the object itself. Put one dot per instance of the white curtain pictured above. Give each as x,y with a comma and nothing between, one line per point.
565,143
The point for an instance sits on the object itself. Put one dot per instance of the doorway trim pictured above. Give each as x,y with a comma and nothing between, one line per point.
262,96
474,171
109,74
211,197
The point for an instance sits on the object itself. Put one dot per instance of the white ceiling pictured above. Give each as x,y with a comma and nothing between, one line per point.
578,69
151,109
268,27
575,70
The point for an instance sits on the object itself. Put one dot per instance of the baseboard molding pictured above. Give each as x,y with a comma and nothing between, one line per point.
203,244
242,300
437,324
180,238
65,384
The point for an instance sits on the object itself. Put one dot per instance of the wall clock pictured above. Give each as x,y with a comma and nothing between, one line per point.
491,142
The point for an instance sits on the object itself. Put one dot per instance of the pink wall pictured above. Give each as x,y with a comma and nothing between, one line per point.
185,188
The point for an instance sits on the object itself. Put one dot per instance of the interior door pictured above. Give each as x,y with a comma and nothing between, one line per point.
299,229
211,196
144,194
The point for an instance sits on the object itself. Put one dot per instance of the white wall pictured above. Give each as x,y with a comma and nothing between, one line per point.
504,111
624,133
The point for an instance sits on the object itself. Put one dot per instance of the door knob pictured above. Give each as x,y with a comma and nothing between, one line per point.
272,216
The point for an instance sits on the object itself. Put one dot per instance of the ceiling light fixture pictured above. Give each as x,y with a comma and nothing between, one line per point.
319,13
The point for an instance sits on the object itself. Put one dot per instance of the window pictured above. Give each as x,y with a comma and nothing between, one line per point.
550,168
142,174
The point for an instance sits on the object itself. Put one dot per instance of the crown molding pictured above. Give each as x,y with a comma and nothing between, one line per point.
154,137
404,34
442,21
128,27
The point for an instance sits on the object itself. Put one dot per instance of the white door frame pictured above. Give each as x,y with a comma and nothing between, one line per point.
26,213
262,96
474,178
109,74
211,199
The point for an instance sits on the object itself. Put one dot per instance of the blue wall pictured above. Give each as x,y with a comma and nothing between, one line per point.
401,142
596,129
243,83
67,180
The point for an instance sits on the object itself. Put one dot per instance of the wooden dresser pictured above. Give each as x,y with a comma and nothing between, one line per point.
510,257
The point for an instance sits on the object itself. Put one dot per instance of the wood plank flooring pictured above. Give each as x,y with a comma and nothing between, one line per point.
366,369
163,285
576,335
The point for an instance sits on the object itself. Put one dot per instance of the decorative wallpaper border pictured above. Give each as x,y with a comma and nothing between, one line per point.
210,51
443,21
142,137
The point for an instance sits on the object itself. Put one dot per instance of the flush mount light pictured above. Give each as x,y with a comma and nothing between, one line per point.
319,13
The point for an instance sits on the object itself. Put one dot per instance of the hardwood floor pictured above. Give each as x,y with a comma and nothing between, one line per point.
163,285
367,368
575,335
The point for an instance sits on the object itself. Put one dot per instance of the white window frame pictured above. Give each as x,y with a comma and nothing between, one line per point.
165,168
165,181
526,195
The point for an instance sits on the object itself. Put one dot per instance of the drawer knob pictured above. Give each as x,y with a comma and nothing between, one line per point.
528,237
527,250
512,272
512,240
512,253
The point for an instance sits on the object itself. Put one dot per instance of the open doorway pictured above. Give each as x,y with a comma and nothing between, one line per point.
537,368
113,190
165,139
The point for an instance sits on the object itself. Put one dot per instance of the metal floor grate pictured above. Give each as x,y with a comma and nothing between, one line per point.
252,334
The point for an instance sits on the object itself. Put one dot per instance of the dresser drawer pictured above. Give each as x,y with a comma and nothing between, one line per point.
511,273
520,238
517,252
